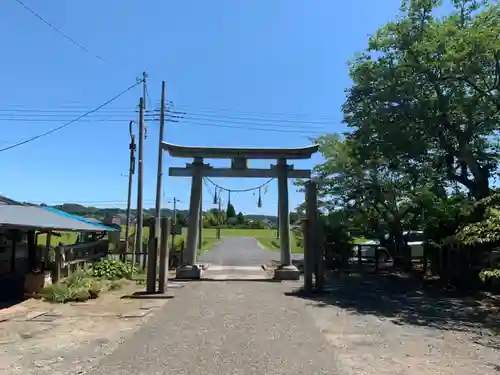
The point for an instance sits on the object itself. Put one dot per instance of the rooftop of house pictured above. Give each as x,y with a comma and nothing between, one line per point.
17,215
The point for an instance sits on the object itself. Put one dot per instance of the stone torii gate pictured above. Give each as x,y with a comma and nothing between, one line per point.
239,168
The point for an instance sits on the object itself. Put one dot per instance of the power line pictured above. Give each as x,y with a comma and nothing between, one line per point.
46,112
70,122
279,130
246,118
251,122
153,114
208,110
264,127
82,47
199,111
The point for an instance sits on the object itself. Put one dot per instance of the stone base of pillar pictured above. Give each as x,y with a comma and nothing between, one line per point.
287,273
188,272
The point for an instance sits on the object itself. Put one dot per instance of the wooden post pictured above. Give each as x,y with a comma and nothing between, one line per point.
181,254
144,255
152,258
166,224
56,274
46,259
360,259
320,251
308,255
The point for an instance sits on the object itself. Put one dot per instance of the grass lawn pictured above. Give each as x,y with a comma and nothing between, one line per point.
266,237
274,244
67,238
359,240
233,232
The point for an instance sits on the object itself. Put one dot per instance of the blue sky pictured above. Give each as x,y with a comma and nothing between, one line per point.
276,65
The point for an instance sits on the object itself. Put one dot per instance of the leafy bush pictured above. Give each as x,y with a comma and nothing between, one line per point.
58,293
115,284
78,287
79,294
179,244
491,278
489,275
94,288
77,277
112,269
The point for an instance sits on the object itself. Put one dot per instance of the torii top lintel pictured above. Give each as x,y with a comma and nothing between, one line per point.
239,152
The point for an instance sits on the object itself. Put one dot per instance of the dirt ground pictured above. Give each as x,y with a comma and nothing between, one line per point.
389,325
38,337
378,324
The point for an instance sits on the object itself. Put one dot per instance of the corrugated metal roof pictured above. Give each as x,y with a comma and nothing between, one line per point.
7,200
37,217
79,218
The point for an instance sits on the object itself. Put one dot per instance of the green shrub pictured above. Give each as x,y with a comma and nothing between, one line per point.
80,294
487,275
76,278
115,284
180,243
94,288
58,293
112,269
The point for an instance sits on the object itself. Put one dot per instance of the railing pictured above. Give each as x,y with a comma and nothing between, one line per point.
67,259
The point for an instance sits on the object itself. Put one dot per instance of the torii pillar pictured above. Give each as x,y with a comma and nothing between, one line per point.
286,270
190,270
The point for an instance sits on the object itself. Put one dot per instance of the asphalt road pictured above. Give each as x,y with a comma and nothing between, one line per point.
227,328
238,251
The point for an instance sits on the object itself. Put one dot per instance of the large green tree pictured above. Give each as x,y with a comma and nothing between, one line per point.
370,194
425,93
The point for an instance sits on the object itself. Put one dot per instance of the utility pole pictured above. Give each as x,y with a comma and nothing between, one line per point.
160,161
144,90
131,172
219,216
153,250
138,238
174,223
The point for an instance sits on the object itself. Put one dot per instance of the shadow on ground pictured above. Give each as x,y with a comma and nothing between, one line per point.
405,300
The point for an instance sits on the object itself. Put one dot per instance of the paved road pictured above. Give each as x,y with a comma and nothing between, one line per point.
227,328
238,251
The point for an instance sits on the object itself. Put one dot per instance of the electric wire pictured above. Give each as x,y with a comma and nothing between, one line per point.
31,139
67,37
246,118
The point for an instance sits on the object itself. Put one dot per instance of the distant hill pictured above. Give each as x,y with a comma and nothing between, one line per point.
101,213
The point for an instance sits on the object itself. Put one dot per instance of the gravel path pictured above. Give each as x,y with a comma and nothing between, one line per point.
226,328
238,251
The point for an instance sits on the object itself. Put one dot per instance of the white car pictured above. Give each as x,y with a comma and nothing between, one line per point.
370,249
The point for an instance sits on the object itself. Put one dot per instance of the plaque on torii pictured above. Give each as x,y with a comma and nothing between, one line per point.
239,168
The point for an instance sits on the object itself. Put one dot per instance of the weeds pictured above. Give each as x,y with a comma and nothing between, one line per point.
83,285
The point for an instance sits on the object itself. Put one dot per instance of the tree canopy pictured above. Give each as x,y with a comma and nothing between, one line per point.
425,92
423,119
